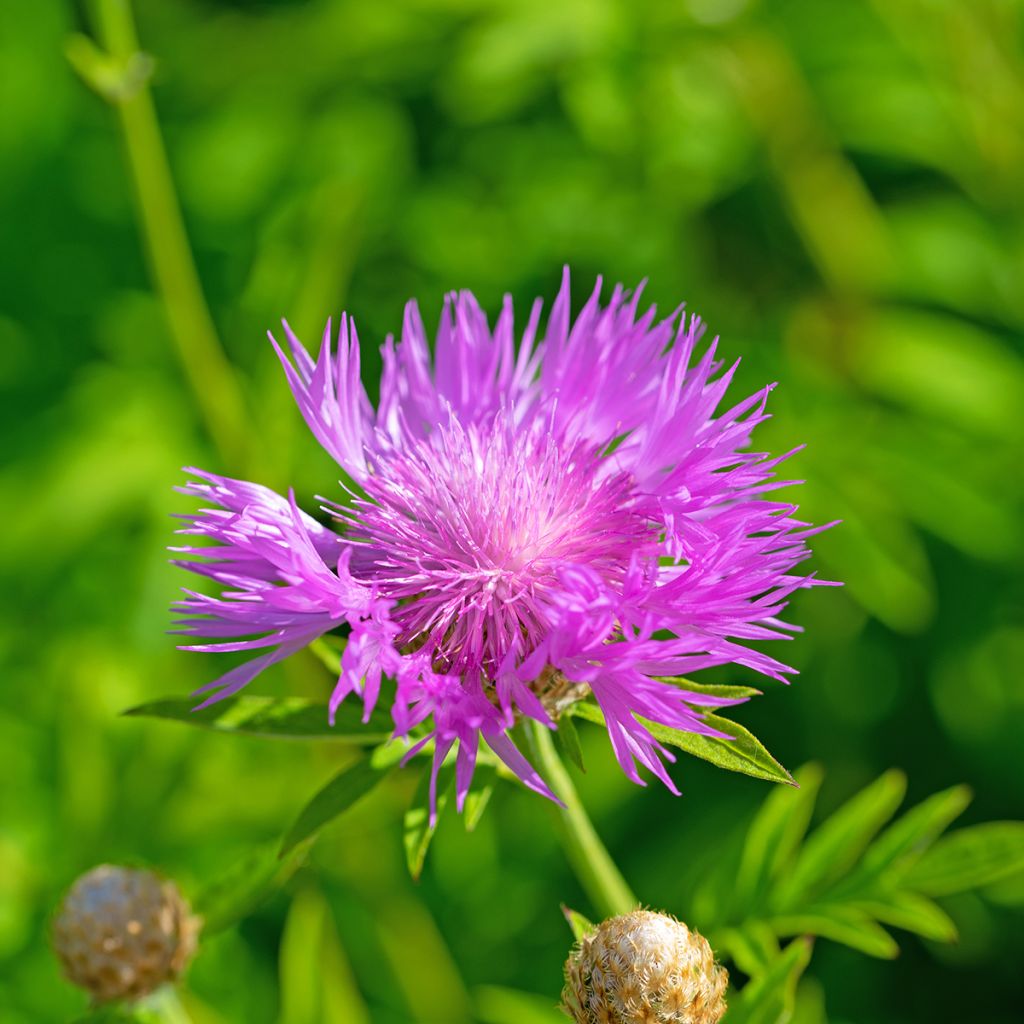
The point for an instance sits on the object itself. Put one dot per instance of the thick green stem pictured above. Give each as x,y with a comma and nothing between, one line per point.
597,872
192,330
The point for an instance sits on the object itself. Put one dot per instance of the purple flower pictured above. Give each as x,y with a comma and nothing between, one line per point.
530,522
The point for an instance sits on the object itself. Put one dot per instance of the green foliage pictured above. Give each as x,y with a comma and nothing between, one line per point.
350,784
845,880
742,752
834,186
580,925
280,717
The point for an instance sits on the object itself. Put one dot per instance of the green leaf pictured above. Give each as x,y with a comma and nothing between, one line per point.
744,753
905,840
769,997
348,786
417,832
569,741
279,717
841,923
775,836
752,947
712,689
495,1005
835,845
479,796
328,650
913,913
580,925
244,886
970,858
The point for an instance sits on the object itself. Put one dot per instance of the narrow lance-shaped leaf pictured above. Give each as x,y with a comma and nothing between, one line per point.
775,836
841,923
479,796
348,786
580,925
899,847
569,741
277,717
244,886
744,753
836,844
769,997
417,831
970,858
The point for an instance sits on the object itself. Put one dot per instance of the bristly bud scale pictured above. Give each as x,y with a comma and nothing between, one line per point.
644,968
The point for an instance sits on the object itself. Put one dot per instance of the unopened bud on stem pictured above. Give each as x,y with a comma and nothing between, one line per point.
122,933
644,968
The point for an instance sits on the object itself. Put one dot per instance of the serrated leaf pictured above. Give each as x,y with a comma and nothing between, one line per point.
744,753
841,923
278,717
349,785
580,925
569,741
969,858
837,843
769,997
775,835
244,886
417,832
912,913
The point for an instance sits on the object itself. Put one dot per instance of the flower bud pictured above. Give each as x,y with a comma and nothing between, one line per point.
122,933
644,968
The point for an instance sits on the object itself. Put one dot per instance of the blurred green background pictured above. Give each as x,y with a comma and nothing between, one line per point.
835,185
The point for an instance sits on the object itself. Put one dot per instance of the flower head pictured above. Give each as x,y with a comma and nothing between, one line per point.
567,515
644,968
121,933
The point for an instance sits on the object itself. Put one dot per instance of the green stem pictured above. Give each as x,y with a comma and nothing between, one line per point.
164,1007
597,872
173,268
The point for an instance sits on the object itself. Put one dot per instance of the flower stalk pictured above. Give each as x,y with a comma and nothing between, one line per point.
120,73
598,874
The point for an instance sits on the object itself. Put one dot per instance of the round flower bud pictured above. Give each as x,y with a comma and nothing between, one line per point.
644,968
122,933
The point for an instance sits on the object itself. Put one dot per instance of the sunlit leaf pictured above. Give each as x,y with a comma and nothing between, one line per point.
970,858
348,786
769,997
580,925
244,886
712,689
479,796
841,923
775,835
905,840
279,717
837,843
569,741
744,753
912,913
417,831
496,1005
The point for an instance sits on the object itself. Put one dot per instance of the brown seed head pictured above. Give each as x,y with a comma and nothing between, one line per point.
122,933
644,968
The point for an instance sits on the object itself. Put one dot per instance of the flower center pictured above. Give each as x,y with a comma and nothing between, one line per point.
468,530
